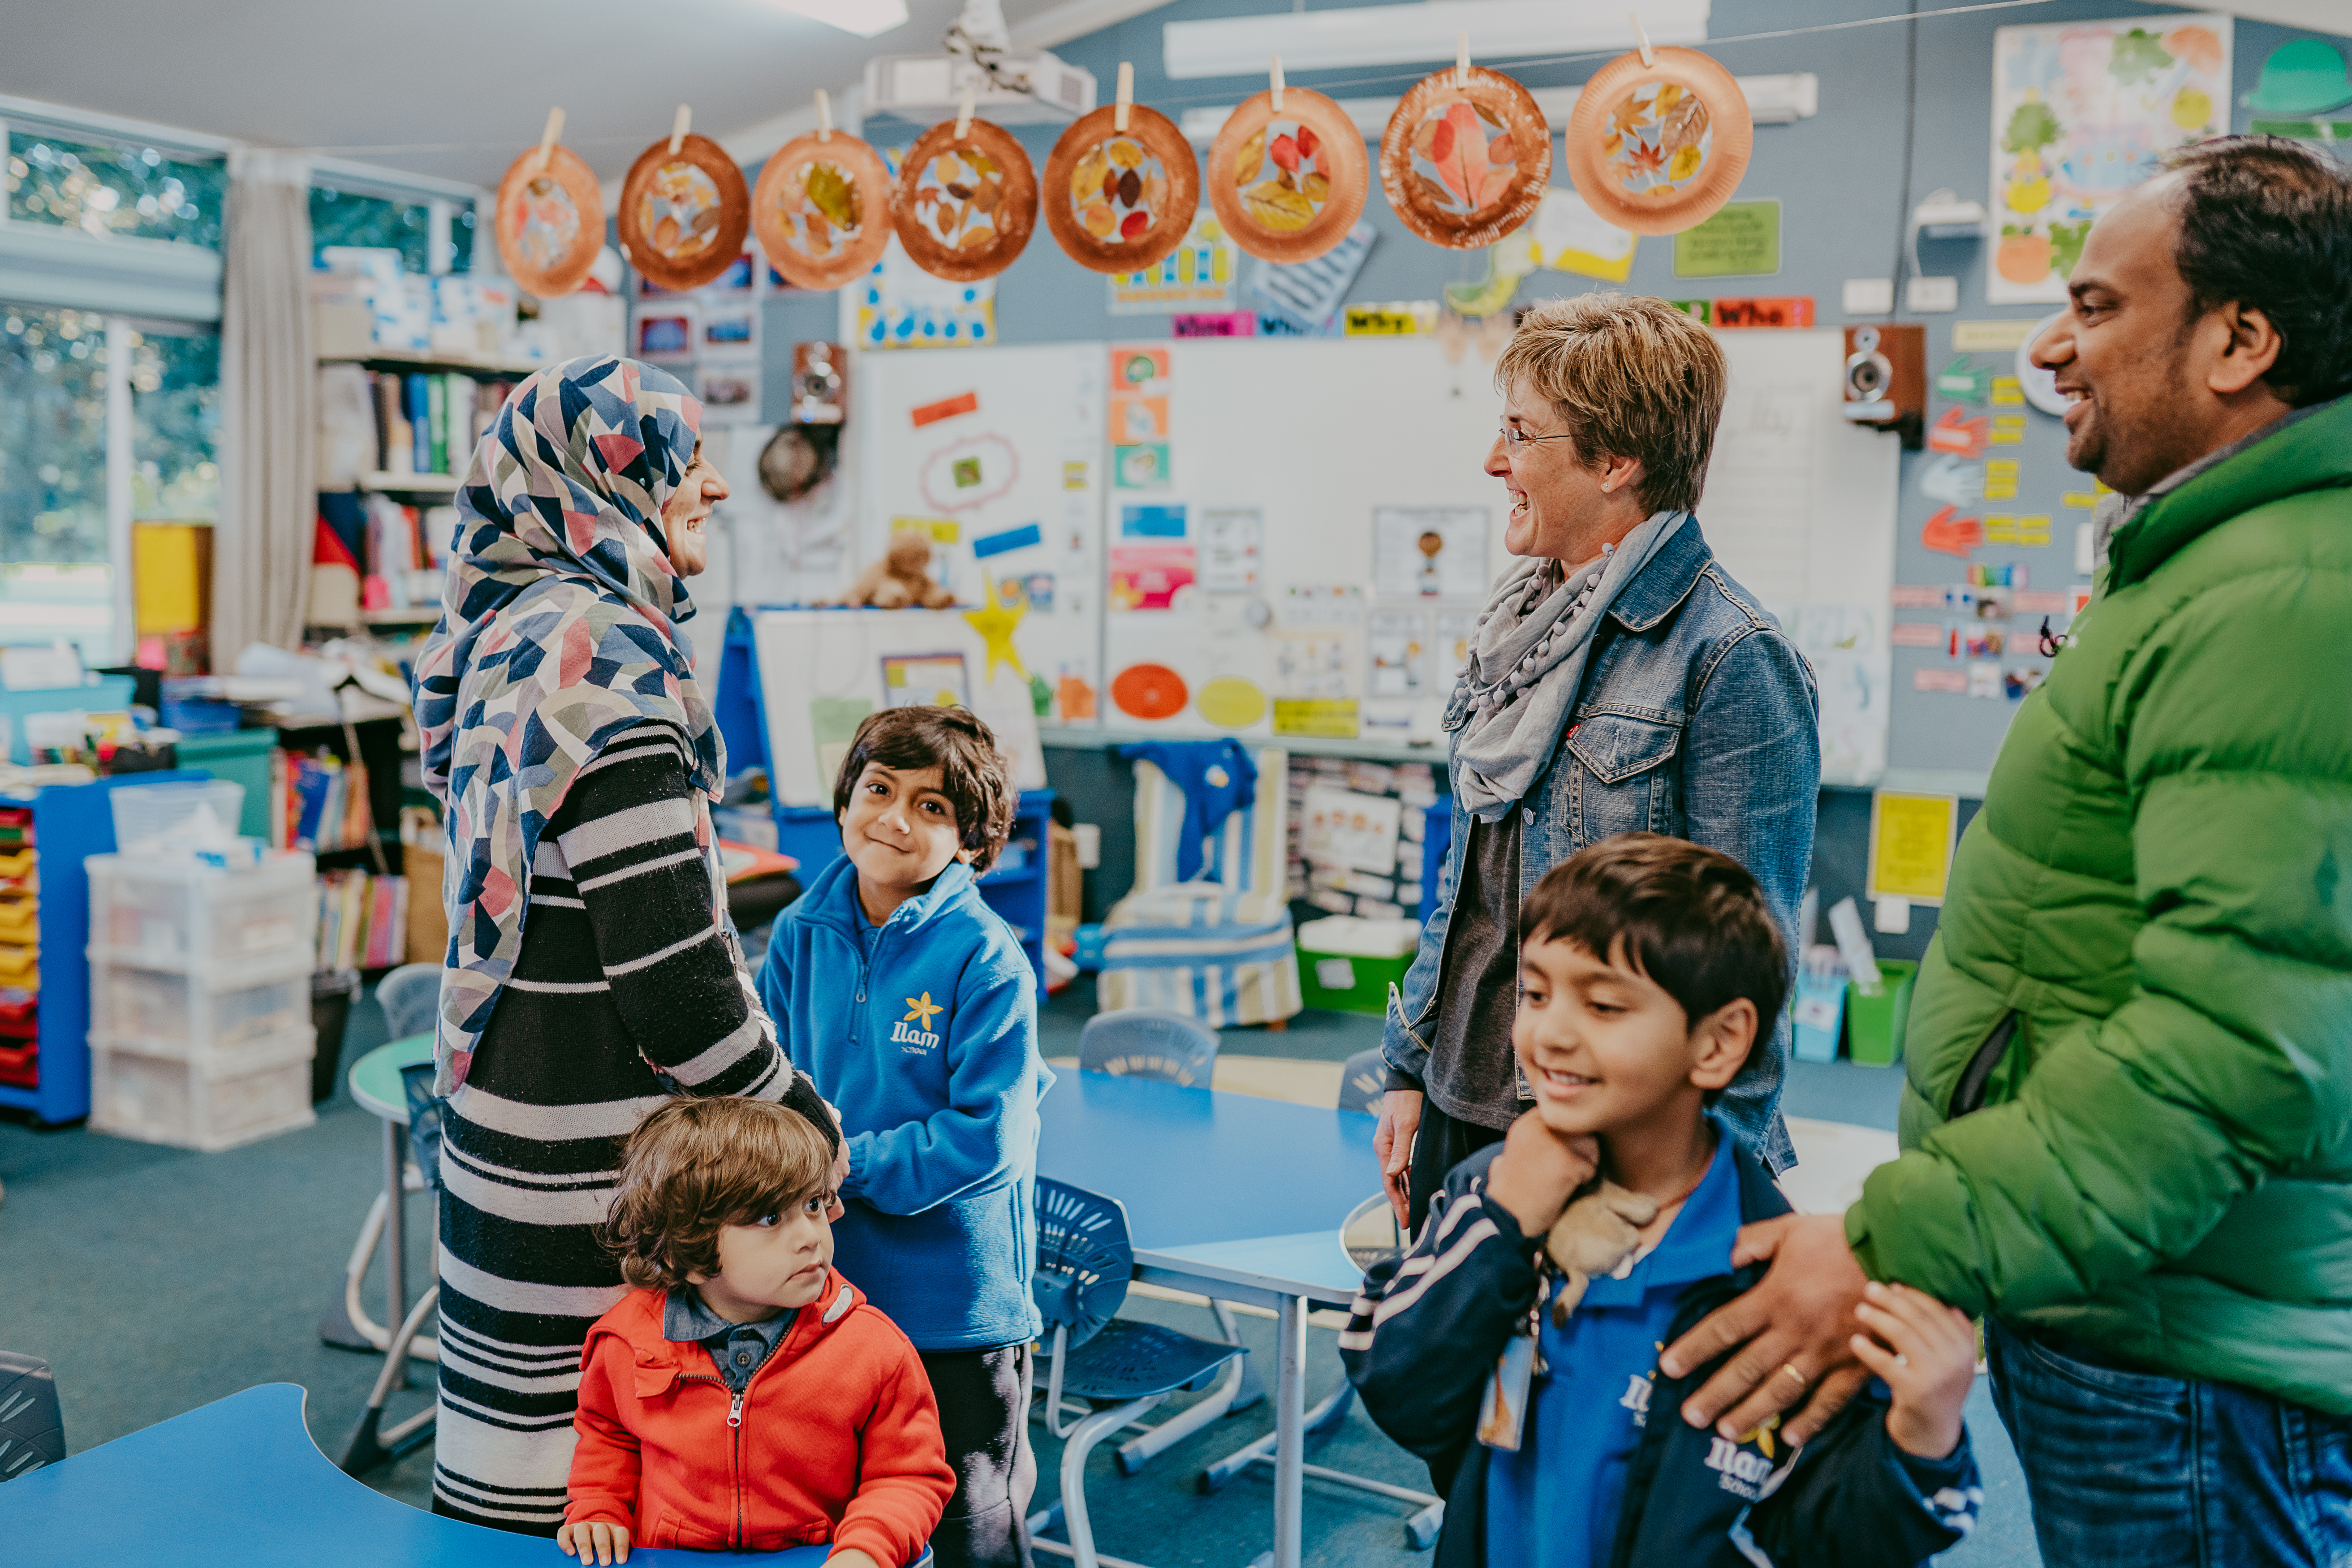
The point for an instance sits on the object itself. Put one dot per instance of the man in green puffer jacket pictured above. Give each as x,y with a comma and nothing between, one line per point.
2128,1130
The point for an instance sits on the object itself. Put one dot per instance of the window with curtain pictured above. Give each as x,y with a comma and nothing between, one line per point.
357,219
115,188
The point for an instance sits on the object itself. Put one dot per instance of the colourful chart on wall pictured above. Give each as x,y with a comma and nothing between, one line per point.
2081,112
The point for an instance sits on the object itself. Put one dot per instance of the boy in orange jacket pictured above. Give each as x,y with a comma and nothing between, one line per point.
745,1397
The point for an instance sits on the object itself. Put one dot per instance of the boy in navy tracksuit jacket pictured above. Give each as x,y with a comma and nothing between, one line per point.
910,1003
1514,1346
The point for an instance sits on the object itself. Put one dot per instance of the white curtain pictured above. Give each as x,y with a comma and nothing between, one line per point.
269,505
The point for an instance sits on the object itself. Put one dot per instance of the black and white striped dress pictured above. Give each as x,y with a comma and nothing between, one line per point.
624,969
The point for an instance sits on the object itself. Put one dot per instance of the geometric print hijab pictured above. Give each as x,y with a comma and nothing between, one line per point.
558,631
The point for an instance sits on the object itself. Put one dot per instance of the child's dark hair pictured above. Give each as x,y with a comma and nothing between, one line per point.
694,1166
1692,921
973,774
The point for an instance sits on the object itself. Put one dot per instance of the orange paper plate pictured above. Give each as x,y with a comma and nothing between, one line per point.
1465,165
966,205
1148,692
684,214
551,222
1287,187
1657,149
1120,201
822,209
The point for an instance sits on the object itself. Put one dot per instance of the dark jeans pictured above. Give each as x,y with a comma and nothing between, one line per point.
1440,1145
2129,1469
984,1415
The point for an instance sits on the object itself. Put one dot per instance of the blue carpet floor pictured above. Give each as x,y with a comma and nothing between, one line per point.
155,1280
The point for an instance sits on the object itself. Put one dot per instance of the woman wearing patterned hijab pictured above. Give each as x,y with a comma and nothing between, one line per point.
590,972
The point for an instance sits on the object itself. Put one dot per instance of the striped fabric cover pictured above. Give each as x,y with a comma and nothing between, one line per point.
1217,948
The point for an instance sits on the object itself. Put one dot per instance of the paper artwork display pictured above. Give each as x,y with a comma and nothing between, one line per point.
833,721
1341,827
969,473
1304,296
667,335
734,329
1570,237
1149,692
1198,275
730,392
1138,369
1429,552
2083,111
1143,467
900,306
1136,418
1396,649
1150,576
925,680
1140,520
1233,541
1231,702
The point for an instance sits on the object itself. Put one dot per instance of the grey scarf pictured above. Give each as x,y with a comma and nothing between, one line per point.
1526,662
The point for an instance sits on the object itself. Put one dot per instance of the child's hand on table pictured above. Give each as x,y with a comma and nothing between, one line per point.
1925,1353
598,1541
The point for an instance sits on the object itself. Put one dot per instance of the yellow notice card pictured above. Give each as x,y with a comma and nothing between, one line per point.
1327,717
942,530
1990,337
1911,839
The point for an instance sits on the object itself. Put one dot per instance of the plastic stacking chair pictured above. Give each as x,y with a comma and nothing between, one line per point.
371,1443
410,996
1144,1042
1363,1082
1120,1367
1169,1048
32,1429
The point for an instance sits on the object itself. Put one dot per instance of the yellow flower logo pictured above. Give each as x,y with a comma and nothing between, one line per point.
919,1012
1761,1436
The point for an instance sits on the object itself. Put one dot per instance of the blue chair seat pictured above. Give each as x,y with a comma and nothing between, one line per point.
1128,1360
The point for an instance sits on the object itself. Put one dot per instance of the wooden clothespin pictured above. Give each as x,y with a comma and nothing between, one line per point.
1642,39
1277,84
547,140
1126,96
963,116
823,116
677,129
1461,62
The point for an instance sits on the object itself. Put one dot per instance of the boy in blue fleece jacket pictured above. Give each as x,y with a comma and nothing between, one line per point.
1514,1347
910,1003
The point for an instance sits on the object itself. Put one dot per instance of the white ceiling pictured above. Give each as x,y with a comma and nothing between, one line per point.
454,89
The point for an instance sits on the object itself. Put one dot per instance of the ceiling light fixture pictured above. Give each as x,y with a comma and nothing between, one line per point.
1420,30
865,18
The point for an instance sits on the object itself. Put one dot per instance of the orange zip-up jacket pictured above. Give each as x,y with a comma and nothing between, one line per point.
836,1438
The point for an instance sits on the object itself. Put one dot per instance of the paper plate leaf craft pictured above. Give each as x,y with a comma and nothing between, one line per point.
1121,198
550,216
1231,702
1655,147
967,201
821,209
1287,174
1148,692
683,211
1467,157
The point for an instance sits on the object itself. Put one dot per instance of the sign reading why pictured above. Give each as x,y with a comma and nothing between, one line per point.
1741,240
1911,839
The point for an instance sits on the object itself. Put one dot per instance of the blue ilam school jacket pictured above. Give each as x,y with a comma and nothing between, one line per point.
924,1037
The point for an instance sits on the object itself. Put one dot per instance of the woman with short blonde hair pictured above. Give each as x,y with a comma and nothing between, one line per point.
1619,680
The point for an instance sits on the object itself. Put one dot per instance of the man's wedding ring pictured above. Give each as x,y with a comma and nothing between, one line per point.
1790,1368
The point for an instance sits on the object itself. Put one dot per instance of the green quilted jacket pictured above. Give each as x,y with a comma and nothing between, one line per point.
2130,1108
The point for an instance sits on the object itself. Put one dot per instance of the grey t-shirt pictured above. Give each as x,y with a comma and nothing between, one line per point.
1472,1074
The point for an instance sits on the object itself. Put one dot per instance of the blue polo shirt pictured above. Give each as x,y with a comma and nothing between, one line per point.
1554,1503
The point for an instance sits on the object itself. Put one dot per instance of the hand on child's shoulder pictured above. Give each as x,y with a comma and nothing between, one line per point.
597,1541
1925,1353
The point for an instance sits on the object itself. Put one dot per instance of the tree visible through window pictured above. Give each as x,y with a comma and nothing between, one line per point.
120,189
175,413
351,218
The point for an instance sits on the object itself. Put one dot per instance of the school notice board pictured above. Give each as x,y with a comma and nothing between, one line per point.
1284,537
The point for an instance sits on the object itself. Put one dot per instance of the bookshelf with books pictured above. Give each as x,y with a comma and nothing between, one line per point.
336,791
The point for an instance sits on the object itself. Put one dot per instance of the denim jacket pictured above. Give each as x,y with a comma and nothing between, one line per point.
1698,718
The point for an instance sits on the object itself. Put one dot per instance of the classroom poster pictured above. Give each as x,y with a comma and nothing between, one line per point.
1741,240
2081,112
900,306
1911,839
1197,276
1429,552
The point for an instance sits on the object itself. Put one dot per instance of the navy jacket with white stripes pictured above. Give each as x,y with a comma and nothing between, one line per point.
1424,1336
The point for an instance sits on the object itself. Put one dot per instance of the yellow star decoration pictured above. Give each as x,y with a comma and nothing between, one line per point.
920,1014
995,625
1760,1435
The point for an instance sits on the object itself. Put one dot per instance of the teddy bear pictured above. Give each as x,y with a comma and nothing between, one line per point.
901,579
1592,1237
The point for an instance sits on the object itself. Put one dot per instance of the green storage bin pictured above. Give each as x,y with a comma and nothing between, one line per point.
240,756
1874,1015
1347,982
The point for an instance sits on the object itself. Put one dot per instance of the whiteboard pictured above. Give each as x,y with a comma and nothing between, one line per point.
1023,430
1354,470
821,670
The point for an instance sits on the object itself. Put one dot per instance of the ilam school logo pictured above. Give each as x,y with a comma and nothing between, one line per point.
913,1033
1743,1473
